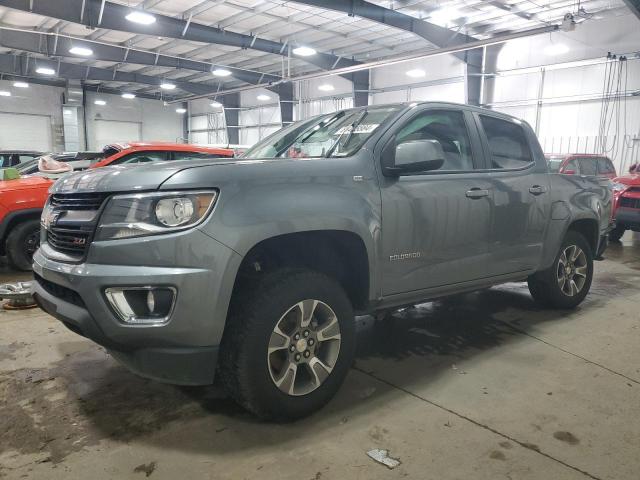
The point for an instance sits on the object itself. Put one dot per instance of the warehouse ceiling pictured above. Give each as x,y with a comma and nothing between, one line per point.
251,40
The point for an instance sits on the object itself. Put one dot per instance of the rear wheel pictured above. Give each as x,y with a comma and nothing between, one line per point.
22,242
616,234
288,344
566,283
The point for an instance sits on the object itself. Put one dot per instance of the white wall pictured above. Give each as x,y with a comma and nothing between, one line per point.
40,100
156,121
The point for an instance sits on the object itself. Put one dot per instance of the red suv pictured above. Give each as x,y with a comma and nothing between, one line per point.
626,205
581,164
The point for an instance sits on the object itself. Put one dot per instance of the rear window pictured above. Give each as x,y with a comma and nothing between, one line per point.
555,162
588,166
605,166
507,142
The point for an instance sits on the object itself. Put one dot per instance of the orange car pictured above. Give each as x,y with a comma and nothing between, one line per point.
22,199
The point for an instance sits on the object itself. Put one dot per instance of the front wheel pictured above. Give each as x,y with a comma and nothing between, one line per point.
566,283
288,344
22,242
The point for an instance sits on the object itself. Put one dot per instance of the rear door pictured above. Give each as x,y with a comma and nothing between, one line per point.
520,185
435,224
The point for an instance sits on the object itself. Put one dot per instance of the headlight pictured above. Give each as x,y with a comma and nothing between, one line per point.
618,187
153,213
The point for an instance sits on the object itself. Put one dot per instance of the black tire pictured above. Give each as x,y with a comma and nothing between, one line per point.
21,244
243,365
545,287
616,234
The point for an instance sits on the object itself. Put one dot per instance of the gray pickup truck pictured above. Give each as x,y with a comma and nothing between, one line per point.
252,270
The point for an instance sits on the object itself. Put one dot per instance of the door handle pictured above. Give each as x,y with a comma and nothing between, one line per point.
476,193
537,190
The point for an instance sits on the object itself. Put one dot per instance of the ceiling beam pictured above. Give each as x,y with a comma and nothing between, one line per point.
634,6
52,44
26,67
112,16
435,34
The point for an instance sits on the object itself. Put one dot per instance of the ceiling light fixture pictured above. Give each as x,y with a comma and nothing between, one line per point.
100,102
21,84
444,16
304,51
143,18
263,98
45,71
82,51
556,49
416,73
327,87
181,110
4,93
221,72
128,96
215,104
167,86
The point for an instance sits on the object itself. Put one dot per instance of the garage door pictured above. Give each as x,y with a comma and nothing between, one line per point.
111,131
25,132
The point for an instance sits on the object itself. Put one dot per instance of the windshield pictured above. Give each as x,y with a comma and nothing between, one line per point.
338,134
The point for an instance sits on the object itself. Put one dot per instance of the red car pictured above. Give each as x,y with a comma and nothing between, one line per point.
581,164
626,205
22,199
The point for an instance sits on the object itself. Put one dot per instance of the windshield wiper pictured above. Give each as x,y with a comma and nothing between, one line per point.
352,130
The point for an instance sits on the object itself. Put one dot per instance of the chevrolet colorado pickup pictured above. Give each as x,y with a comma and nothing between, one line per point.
252,269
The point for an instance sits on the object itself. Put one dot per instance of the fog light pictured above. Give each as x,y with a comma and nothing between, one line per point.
142,305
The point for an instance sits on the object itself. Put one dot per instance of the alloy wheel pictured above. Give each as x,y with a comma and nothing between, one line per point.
572,270
304,347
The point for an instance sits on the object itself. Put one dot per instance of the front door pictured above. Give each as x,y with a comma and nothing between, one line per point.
436,224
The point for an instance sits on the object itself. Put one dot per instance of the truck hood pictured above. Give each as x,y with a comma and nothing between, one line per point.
128,178
24,183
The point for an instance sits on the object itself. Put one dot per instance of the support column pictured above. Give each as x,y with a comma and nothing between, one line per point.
360,81
231,104
285,92
481,63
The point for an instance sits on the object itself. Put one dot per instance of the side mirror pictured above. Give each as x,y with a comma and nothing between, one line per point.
417,156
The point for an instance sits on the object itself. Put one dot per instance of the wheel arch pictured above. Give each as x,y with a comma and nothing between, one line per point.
14,218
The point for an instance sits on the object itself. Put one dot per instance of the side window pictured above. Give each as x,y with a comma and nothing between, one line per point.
508,143
588,166
572,166
141,157
446,127
605,166
189,155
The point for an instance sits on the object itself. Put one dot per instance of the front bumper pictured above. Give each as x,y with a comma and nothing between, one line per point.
182,351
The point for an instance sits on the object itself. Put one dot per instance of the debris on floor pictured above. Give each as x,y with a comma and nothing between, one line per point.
18,295
382,456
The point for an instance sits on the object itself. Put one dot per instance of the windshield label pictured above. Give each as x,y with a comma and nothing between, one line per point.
363,128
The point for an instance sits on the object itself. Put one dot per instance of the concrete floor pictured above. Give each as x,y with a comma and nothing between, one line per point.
483,386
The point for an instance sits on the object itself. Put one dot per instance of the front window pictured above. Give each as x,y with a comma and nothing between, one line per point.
335,135
555,162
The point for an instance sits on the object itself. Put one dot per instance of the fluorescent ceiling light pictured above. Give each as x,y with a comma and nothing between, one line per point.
167,86
304,51
327,87
215,104
83,51
143,18
262,97
21,84
100,102
128,96
67,111
444,16
4,93
416,73
45,71
181,110
556,49
221,72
